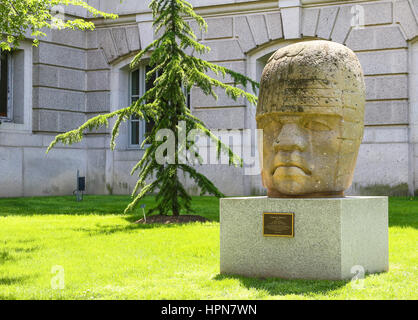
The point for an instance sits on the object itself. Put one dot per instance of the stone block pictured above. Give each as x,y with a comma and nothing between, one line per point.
384,62
326,21
386,87
219,28
274,25
106,43
47,120
96,142
91,39
123,181
76,11
73,38
222,118
124,7
35,120
374,38
120,40
258,28
386,134
416,168
237,66
403,14
342,24
58,99
17,139
199,99
386,112
132,37
96,170
228,179
97,101
57,55
309,22
133,155
71,79
244,34
223,50
146,33
331,236
206,3
53,173
11,172
56,77
98,80
291,22
375,165
45,76
70,121
377,13
96,60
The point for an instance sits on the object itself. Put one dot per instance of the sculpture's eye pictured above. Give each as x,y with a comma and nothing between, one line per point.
316,126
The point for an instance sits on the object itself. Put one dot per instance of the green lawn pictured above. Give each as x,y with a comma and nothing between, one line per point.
105,256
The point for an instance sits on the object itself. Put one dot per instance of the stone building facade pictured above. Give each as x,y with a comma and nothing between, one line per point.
73,75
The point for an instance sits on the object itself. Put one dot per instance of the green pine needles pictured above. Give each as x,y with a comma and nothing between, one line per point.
166,105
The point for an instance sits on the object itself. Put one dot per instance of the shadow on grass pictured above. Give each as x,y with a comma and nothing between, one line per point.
205,206
108,230
282,287
14,280
5,256
403,212
8,254
66,205
7,297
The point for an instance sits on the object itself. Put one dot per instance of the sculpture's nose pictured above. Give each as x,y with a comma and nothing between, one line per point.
291,138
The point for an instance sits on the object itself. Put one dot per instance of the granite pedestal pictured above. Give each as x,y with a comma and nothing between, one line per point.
331,236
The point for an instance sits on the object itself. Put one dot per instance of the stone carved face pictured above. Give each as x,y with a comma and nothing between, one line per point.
311,110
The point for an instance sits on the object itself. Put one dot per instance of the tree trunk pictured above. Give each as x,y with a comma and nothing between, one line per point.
175,208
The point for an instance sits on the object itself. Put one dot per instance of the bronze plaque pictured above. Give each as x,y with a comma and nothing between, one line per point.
278,224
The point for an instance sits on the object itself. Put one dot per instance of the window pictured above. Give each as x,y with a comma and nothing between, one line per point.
138,128
16,89
5,86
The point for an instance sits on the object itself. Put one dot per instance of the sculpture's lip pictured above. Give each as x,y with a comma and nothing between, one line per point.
292,165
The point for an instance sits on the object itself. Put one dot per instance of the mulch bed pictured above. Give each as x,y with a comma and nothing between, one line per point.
161,219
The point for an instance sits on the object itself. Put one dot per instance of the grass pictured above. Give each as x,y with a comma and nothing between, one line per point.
105,256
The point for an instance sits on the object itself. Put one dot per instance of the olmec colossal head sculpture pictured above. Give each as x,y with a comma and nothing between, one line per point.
311,110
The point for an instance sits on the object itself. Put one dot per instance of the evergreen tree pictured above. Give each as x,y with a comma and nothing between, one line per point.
166,105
